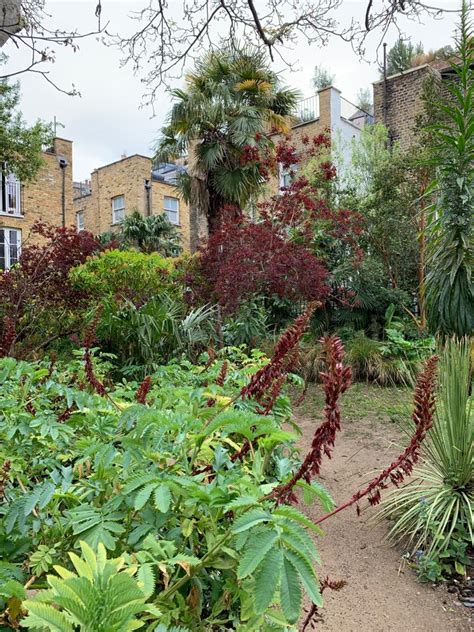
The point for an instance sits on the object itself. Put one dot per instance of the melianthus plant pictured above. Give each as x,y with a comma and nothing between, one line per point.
449,282
101,596
215,546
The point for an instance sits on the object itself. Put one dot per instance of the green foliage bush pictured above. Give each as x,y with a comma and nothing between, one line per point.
449,282
155,485
127,273
141,337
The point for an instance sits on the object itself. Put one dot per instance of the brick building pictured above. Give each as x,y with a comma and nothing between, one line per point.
48,198
132,183
328,112
398,99
127,185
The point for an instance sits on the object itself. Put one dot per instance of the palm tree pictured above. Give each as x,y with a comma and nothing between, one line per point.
151,234
232,100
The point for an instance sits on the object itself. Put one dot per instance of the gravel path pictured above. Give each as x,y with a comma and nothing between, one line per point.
382,594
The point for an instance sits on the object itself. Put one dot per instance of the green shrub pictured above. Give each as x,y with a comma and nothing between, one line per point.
101,596
437,506
127,273
394,360
146,335
155,484
248,326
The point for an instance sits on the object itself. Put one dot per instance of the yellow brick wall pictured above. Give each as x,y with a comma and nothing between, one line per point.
42,198
127,177
160,190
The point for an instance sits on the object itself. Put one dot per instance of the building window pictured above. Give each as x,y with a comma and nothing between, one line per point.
287,176
80,221
118,209
172,209
10,243
10,190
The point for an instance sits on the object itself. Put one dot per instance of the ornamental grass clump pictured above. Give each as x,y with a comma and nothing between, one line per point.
438,503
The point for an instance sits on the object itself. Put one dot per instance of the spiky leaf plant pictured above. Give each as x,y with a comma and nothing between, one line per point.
231,100
449,283
439,500
100,597
151,234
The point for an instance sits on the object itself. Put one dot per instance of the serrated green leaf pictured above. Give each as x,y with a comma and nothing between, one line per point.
307,575
42,615
143,495
290,592
297,516
250,519
257,547
146,580
239,503
162,498
267,578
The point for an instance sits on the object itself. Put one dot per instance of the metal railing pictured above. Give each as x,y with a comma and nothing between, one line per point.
10,195
306,110
355,115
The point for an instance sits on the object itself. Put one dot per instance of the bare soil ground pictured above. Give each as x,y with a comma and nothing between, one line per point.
382,593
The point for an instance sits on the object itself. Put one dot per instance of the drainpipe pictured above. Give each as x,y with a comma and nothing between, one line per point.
148,197
63,163
385,103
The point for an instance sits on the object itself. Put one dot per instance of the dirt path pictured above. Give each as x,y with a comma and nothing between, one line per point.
381,595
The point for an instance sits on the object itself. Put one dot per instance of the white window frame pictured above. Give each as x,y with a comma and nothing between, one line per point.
10,194
5,244
120,209
79,221
172,210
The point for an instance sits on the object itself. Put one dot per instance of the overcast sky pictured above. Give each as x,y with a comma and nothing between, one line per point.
107,121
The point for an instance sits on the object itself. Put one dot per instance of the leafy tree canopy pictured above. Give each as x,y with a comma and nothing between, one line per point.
231,101
20,144
322,78
399,57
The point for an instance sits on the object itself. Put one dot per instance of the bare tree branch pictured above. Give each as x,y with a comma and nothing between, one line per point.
171,36
42,41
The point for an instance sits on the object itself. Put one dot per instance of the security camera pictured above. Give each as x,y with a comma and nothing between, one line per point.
63,163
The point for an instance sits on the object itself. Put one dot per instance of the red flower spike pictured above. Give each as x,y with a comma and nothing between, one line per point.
220,379
423,413
8,338
4,476
88,363
143,390
264,379
336,380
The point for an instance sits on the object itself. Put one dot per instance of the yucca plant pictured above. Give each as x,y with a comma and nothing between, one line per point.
439,500
449,283
101,597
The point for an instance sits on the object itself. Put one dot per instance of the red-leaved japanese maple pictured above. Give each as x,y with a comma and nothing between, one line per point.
40,285
243,258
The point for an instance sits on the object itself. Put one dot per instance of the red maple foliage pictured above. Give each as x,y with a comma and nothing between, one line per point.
41,281
243,258
301,234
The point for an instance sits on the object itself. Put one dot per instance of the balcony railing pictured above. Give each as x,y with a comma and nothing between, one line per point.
306,110
355,115
10,195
